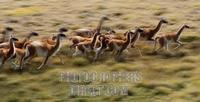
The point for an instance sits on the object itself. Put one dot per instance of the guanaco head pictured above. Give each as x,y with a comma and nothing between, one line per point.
105,18
62,30
164,20
13,39
34,34
186,26
139,30
61,36
9,29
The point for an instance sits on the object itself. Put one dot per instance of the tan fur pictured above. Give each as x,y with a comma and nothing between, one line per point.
43,49
119,45
165,39
148,34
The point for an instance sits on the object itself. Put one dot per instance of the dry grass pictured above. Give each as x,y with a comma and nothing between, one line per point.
24,11
165,77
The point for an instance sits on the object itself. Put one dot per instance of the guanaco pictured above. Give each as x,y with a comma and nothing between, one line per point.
103,41
77,39
86,46
135,38
7,54
119,45
51,41
112,35
165,39
90,32
84,32
43,49
148,34
89,45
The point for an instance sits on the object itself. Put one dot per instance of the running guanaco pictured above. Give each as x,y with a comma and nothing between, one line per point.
43,49
165,39
148,34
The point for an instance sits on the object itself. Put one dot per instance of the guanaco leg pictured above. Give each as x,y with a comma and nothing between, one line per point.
167,46
97,54
179,44
161,43
138,49
44,62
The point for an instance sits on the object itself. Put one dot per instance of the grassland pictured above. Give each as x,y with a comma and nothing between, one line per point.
165,77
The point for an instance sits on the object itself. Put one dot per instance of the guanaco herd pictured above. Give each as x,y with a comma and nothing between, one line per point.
84,41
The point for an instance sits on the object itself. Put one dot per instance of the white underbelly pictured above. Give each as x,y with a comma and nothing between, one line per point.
41,52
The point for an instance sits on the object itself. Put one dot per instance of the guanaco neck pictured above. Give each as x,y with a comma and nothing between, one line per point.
26,39
94,40
179,31
98,29
103,43
135,37
12,49
57,45
6,36
157,28
128,39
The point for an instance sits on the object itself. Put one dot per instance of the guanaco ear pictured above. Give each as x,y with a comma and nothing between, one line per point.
34,34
